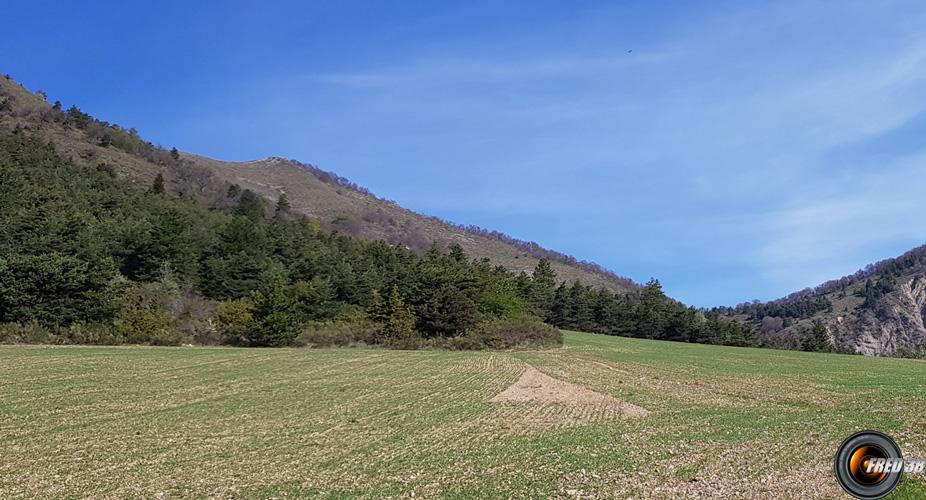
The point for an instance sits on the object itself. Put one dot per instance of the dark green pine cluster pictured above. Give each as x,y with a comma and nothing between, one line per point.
85,257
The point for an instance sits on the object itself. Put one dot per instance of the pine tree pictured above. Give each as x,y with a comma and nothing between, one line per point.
604,311
376,309
399,327
251,206
560,311
543,287
449,312
653,316
456,253
157,187
582,307
817,339
394,319
283,206
544,275
276,321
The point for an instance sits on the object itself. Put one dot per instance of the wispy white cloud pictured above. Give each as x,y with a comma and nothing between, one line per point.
833,235
710,145
495,70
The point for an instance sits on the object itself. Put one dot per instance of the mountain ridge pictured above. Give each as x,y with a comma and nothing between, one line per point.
334,201
380,218
878,310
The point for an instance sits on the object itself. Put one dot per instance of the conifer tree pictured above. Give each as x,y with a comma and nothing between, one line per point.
250,206
377,311
400,324
543,285
449,312
276,322
283,206
652,320
456,253
157,187
817,339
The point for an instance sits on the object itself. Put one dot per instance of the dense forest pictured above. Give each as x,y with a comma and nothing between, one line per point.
86,258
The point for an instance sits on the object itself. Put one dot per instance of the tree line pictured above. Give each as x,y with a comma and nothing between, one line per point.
92,259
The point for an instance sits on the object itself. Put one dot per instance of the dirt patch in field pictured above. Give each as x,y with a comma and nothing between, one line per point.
536,387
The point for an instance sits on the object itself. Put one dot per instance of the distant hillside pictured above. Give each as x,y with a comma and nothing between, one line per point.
332,200
879,310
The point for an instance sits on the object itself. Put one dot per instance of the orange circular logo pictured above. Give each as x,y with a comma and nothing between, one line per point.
868,465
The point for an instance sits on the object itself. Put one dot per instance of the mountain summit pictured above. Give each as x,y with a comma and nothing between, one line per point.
333,201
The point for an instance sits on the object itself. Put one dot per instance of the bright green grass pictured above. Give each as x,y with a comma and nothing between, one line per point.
206,422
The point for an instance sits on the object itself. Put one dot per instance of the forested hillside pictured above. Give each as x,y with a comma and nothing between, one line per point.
880,309
192,241
85,257
334,202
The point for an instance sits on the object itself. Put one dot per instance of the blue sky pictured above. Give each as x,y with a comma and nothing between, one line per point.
733,150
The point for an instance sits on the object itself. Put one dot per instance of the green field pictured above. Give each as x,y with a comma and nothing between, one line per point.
231,422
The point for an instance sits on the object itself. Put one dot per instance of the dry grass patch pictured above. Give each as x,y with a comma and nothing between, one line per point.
536,387
95,422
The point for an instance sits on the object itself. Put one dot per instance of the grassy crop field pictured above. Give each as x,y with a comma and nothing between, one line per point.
665,420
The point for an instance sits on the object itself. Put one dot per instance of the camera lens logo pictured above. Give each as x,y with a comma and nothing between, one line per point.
869,465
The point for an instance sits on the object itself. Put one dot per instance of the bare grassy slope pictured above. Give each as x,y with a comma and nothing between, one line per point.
336,203
28,110
352,210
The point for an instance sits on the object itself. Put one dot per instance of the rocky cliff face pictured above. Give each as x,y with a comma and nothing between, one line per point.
896,325
878,310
